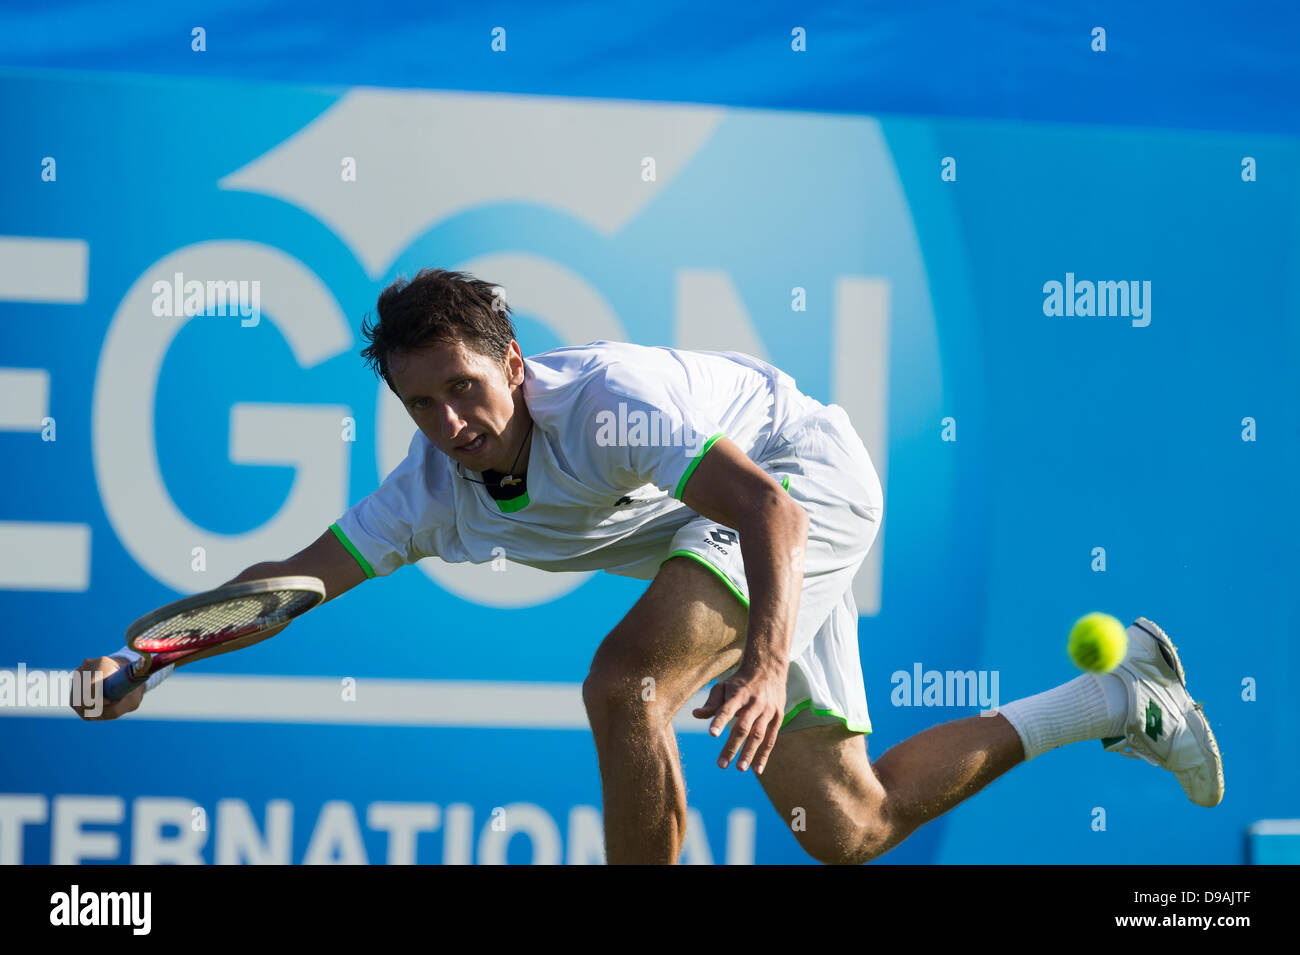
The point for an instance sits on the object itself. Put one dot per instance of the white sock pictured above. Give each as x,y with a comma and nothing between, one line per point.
1091,706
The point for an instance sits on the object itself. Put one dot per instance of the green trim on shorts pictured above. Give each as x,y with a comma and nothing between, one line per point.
351,549
724,578
695,462
807,704
721,576
785,483
514,504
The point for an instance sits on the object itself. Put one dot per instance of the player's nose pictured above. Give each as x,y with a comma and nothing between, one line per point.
452,423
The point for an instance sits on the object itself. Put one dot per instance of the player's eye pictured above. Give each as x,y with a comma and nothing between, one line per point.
461,386
419,404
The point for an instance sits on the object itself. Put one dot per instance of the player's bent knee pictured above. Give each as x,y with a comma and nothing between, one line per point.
844,836
613,698
850,846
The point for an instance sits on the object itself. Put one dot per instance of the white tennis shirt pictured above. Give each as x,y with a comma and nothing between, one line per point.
618,429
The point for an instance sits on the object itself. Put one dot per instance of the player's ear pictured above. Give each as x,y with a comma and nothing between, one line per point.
514,364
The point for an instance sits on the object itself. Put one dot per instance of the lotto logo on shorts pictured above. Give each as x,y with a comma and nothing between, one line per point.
720,538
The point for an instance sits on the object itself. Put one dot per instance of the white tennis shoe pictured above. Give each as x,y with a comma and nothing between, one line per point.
1166,727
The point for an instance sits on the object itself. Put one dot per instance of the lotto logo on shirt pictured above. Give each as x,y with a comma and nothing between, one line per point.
644,429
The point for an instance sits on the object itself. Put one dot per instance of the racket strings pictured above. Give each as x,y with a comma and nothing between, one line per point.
228,620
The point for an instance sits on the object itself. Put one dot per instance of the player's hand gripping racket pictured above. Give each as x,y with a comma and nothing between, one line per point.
206,624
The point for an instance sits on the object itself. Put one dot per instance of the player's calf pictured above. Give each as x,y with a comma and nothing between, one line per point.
822,785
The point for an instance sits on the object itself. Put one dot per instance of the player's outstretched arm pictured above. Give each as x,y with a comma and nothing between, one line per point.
325,558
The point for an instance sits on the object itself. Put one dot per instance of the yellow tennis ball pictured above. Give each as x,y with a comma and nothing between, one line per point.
1098,642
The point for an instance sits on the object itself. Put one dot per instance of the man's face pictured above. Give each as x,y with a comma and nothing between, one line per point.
464,402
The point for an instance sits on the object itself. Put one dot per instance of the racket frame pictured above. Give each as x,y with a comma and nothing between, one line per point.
142,668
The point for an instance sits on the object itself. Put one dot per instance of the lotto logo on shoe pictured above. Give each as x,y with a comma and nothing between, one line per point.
720,538
1154,723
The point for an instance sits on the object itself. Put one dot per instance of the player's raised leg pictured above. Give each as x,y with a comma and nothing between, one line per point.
851,811
845,810
685,631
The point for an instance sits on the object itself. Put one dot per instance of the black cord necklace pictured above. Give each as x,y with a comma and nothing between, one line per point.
508,480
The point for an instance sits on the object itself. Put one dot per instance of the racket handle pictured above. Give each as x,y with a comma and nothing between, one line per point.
120,682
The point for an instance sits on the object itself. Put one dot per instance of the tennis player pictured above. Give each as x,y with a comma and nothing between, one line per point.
749,507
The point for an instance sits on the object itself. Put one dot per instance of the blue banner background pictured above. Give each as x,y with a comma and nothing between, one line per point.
1072,433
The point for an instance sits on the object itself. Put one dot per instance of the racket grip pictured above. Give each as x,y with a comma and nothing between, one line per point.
119,683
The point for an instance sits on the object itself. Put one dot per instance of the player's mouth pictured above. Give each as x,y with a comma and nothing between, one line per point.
473,447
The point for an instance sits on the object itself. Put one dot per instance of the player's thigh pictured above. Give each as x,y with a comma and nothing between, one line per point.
821,783
686,629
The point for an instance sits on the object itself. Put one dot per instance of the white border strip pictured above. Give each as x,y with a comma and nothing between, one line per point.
43,270
24,398
1275,827
377,702
44,556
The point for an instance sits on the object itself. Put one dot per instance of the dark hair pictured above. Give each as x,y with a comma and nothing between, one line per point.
437,306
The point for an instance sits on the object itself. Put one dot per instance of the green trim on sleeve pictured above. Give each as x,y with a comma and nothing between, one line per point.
695,462
351,549
807,704
785,482
721,576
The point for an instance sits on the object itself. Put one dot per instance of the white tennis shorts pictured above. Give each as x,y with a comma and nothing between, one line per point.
824,466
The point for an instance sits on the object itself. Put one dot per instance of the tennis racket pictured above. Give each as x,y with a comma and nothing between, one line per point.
206,624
